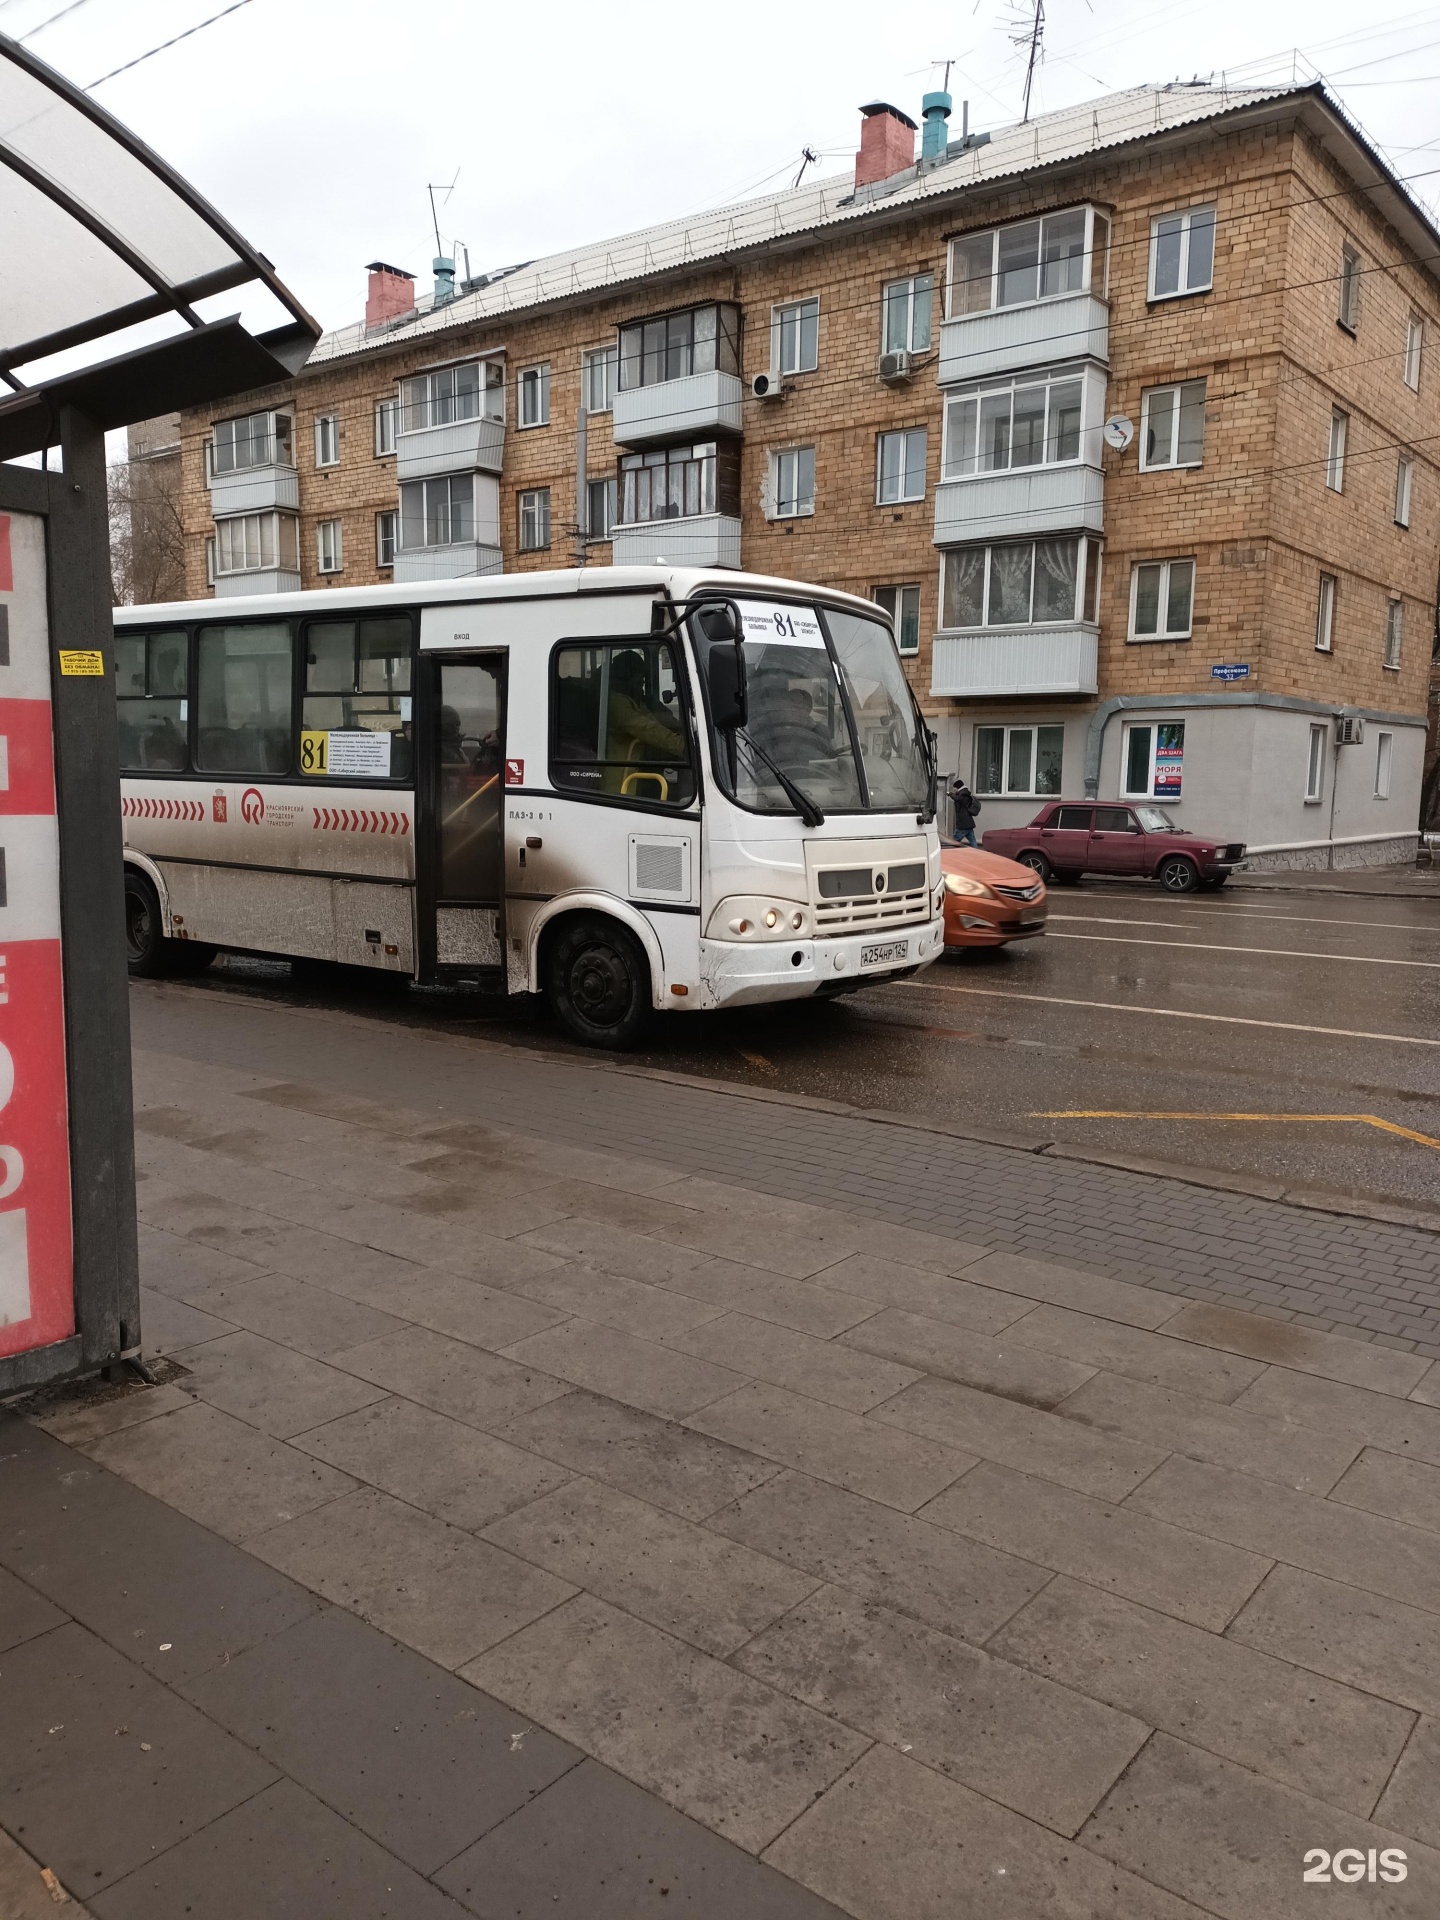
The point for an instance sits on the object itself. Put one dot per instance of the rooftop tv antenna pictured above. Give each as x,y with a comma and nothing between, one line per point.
808,157
434,216
1032,38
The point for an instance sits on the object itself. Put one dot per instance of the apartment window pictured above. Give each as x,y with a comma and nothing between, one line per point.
150,689
1349,314
387,528
1022,762
384,428
903,606
900,467
1384,752
792,480
329,549
327,440
795,337
1021,583
1151,759
905,306
701,340
1325,614
1414,345
533,386
252,542
1161,596
437,513
534,519
1182,253
1026,422
447,394
600,507
1394,619
1404,473
245,681
252,440
1335,458
1172,425
598,367
673,483
1031,260
357,680
1315,764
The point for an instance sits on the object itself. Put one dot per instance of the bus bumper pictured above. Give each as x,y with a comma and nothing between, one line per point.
739,974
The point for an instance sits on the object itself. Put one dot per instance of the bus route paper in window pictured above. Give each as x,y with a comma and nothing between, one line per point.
768,623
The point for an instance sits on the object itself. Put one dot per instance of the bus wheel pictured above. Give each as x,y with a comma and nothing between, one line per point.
148,954
597,980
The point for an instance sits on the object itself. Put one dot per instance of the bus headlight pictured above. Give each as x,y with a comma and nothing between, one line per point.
967,888
752,917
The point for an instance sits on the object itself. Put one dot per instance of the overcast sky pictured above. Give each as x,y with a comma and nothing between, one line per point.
316,125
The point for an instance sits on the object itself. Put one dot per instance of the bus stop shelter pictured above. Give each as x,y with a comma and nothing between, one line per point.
107,255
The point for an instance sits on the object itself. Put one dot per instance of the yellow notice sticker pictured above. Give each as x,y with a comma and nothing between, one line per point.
93,663
314,753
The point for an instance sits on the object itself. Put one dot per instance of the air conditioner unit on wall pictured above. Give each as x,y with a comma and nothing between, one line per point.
895,366
1349,730
768,386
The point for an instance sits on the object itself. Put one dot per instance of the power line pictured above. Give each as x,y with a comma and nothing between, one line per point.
140,59
73,7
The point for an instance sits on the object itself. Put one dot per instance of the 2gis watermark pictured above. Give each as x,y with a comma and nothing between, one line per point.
1348,1866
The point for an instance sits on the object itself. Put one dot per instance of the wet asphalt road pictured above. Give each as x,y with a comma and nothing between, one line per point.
1312,1004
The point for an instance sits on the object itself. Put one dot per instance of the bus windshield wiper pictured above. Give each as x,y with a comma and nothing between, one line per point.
802,803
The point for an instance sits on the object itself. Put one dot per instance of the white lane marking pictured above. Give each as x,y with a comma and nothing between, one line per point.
1167,1013
1208,911
1272,953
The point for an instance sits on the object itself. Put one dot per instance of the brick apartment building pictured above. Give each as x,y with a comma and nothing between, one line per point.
1129,415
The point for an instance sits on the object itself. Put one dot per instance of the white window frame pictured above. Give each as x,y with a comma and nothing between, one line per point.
906,471
891,600
210,559
329,546
532,516
1394,633
888,291
1087,587
440,409
1152,727
791,317
1329,593
1163,600
611,497
532,396
1315,763
386,412
1414,351
438,480
1178,391
951,467
792,461
599,372
1005,791
1384,764
1188,218
284,530
1094,272
1335,457
327,440
1348,314
387,523
1404,482
271,441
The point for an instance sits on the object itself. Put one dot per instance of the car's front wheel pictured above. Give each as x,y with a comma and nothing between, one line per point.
1037,863
597,980
1178,874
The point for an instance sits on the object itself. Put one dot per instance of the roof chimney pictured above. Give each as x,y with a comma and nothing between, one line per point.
391,292
887,143
444,270
933,141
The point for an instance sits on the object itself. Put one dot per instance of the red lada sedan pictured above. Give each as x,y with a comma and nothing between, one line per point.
1068,838
989,901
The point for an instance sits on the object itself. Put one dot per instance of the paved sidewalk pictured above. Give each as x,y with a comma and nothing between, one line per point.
1407,882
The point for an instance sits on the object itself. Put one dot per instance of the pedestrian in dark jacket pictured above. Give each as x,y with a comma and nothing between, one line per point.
964,806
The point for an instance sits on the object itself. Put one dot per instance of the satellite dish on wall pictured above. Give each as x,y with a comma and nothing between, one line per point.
1119,432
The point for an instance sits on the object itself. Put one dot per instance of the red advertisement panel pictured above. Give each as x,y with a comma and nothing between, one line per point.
37,1302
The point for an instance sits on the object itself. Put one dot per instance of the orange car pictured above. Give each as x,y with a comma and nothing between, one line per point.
989,900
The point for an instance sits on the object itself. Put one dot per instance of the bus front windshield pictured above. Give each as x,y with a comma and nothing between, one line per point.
811,705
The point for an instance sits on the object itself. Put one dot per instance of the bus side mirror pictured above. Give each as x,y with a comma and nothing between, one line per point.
725,672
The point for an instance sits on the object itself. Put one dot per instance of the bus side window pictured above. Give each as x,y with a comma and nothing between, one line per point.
617,726
357,680
150,687
245,698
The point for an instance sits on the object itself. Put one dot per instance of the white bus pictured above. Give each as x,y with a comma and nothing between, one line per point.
633,789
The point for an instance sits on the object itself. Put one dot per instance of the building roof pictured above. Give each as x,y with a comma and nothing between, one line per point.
1063,138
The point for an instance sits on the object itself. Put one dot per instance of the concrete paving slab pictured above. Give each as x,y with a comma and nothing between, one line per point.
272,1387
1040,1749
730,1752
594,1243
1359,1638
1405,1490
1227,1436
219,1470
311,1320
101,1766
434,1588
1236,1843
169,1326
935,1575
442,1466
925,1290
1000,1366
1067,1287
24,1893
799,1361
703,1588
467,1383
1411,1801
418,1760
1295,1727
1022,1437
594,1847
656,1460
633,1306
900,1469
468,1310
796,1251
1283,1344
808,1306
895,1840
175,1266
624,1367
748,1203
23,1612
1369,1551
78,1419
1377,1419
1137,1353
618,1207
1129,1553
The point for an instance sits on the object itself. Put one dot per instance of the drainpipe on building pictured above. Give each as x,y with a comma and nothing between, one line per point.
582,484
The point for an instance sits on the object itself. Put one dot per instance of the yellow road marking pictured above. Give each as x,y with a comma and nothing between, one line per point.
1365,1119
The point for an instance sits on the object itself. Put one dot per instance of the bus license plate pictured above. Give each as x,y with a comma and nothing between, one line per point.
885,953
